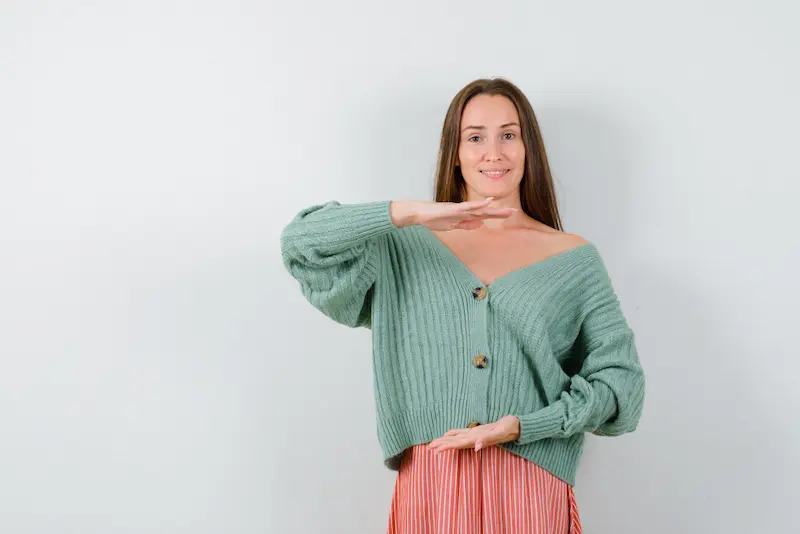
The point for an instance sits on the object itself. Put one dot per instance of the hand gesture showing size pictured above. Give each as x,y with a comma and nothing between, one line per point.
448,215
482,436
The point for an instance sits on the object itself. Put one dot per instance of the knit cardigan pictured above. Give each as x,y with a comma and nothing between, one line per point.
547,343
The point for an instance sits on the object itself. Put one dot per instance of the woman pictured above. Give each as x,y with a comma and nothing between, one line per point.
498,339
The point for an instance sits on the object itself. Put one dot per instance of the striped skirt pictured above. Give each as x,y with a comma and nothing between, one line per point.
491,491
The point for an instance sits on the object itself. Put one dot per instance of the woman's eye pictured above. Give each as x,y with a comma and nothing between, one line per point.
476,138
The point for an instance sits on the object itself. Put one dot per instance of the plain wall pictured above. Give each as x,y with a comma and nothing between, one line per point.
160,371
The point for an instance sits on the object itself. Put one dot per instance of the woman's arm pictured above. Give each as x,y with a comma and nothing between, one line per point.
333,250
606,396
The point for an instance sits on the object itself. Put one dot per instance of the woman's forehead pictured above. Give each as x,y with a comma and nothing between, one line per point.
489,111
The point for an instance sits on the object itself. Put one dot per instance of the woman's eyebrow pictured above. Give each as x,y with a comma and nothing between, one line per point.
506,125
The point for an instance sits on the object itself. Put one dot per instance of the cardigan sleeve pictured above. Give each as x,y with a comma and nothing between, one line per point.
606,396
333,251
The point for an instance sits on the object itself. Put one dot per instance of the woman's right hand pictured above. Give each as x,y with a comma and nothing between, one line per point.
444,216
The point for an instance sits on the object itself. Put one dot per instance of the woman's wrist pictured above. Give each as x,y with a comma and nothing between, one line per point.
515,429
403,213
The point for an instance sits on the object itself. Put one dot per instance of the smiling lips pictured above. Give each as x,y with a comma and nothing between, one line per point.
495,173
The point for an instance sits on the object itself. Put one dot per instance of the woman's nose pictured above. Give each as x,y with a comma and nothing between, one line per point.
492,151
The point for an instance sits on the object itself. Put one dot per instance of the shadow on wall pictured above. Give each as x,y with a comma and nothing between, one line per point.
710,450
711,454
593,168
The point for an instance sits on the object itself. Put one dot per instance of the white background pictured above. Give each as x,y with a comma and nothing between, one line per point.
160,371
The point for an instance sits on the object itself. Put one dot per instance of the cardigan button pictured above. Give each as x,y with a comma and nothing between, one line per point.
479,293
480,361
473,424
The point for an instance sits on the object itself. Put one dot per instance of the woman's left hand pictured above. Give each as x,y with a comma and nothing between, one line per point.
480,437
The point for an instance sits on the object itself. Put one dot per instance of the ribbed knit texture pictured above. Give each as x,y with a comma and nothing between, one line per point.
560,353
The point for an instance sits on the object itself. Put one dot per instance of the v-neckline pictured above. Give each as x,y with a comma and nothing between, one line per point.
456,263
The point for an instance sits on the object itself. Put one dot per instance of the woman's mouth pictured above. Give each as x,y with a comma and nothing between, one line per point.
495,173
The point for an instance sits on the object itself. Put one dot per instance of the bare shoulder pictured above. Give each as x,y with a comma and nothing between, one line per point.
557,240
568,240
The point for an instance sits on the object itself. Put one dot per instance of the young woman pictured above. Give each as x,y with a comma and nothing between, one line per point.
498,339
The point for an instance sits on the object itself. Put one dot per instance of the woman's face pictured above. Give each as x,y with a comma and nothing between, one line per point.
490,149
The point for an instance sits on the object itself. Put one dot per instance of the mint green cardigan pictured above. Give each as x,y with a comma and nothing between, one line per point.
547,343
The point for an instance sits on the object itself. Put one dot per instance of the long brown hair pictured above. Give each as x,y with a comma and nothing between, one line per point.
537,194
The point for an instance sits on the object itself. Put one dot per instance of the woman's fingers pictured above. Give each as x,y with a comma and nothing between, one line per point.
493,213
460,215
476,438
474,204
463,441
482,206
450,434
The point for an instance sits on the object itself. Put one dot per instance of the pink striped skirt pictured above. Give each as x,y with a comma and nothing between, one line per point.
491,491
